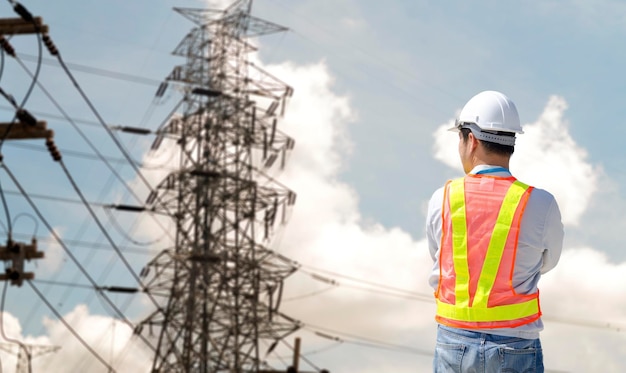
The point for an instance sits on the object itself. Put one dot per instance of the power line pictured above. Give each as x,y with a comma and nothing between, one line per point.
104,231
55,52
363,341
66,249
69,327
96,71
100,156
108,130
89,244
12,340
321,275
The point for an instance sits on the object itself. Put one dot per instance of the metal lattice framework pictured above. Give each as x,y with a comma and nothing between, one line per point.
221,283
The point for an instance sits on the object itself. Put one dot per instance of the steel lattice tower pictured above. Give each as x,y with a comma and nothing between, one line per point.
221,282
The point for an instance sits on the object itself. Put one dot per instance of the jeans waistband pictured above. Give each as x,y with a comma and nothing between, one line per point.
472,335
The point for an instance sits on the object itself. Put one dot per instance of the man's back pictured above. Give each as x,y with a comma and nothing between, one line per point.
538,248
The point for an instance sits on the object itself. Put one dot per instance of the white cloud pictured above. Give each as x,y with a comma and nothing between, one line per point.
545,156
327,232
54,253
578,289
353,24
111,339
549,158
584,291
219,4
600,15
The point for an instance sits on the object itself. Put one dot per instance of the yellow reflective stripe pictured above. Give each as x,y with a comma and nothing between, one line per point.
459,241
497,242
498,313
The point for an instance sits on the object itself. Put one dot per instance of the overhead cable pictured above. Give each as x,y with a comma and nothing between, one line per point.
370,286
70,328
68,251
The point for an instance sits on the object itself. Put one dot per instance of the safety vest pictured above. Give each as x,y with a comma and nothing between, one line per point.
477,255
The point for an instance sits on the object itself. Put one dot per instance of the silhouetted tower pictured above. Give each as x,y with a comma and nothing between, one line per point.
26,353
221,282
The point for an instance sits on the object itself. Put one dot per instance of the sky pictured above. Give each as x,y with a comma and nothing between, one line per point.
375,85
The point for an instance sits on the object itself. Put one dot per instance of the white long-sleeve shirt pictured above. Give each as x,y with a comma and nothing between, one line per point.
538,250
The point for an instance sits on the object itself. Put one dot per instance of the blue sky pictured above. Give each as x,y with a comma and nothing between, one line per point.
374,84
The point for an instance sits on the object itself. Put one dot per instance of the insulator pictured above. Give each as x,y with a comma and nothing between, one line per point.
270,161
144,271
157,142
56,155
13,274
4,43
50,45
54,152
13,247
23,12
161,90
273,134
121,289
272,108
136,130
207,174
291,199
206,92
151,197
24,116
129,208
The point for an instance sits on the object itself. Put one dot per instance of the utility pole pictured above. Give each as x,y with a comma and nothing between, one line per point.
24,126
295,366
222,284
16,253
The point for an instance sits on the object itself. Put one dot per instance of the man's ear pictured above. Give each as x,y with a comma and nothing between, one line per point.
473,141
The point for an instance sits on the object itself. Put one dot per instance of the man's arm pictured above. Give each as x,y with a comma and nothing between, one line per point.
433,222
553,238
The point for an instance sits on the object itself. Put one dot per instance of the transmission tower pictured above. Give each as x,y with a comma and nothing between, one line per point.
26,353
221,282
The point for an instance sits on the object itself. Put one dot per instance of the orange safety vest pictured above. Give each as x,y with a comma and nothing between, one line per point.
477,255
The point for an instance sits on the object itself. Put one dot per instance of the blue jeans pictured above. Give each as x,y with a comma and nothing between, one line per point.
464,351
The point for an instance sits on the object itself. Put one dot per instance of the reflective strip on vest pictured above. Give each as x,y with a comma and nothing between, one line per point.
476,309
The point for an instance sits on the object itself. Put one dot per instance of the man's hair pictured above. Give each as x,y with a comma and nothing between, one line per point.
492,147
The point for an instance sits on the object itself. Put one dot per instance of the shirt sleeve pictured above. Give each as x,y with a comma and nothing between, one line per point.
553,238
433,223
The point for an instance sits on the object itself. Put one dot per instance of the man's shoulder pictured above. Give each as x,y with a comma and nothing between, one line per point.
437,197
542,203
542,195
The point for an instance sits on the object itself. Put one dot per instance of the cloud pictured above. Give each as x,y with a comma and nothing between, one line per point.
549,158
219,4
576,301
326,232
54,253
599,16
353,24
584,314
335,246
546,156
111,339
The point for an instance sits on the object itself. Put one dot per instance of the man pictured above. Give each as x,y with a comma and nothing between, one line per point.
491,238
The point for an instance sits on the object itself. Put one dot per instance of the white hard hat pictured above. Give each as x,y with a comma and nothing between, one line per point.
491,111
